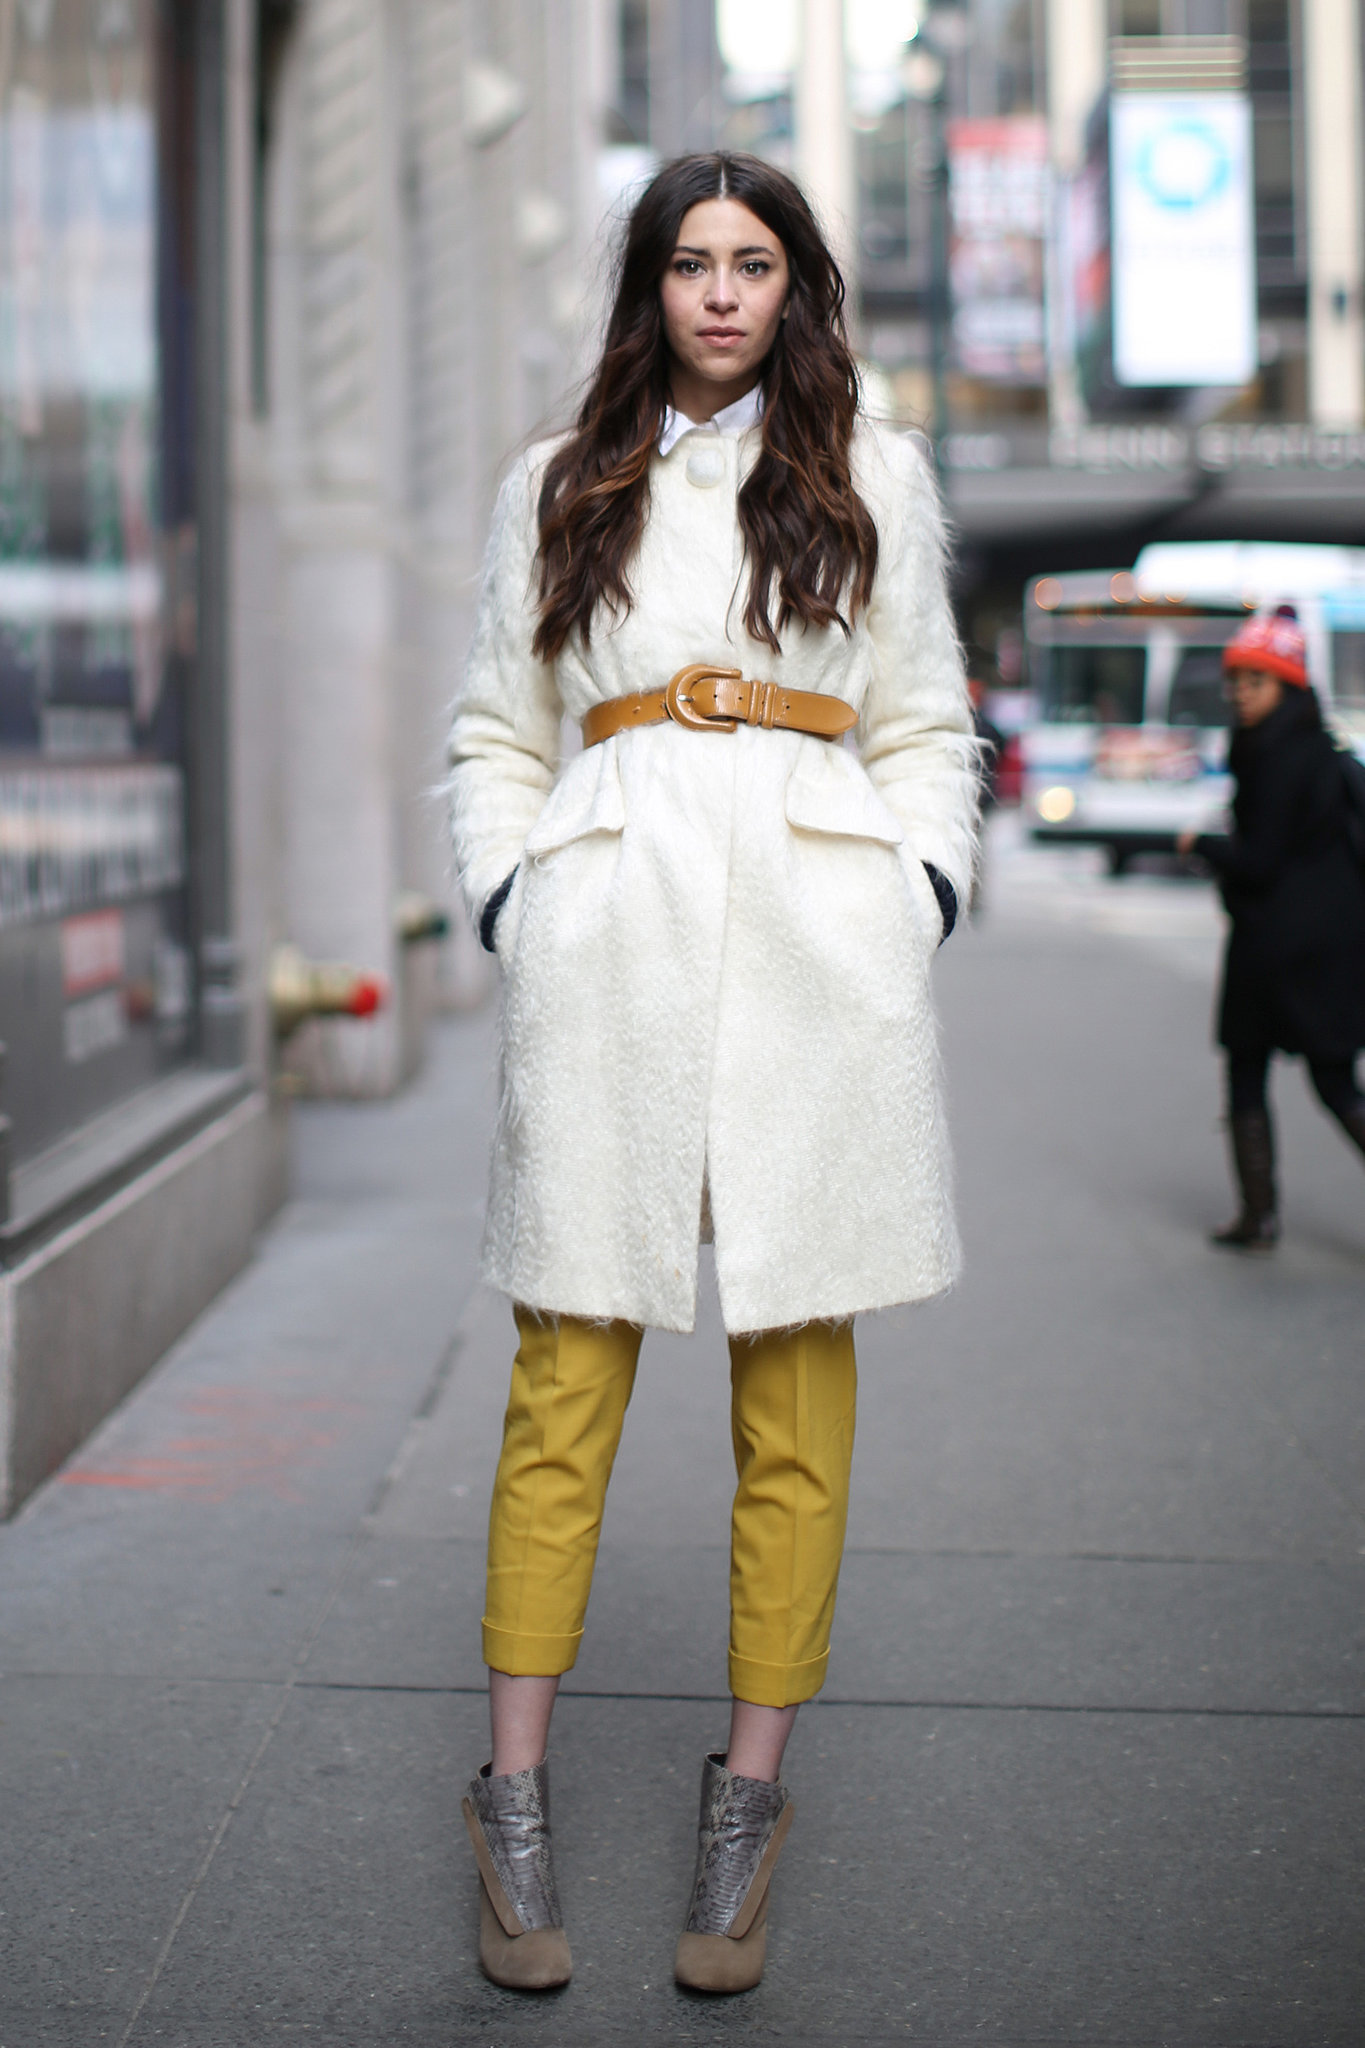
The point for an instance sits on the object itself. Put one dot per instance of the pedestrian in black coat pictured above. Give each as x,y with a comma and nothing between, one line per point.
1294,970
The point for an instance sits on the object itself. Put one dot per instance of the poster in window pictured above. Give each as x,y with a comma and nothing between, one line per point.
998,197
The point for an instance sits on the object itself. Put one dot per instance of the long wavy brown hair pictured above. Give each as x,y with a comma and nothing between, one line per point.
808,537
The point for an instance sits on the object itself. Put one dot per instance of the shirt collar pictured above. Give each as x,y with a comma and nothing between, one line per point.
733,419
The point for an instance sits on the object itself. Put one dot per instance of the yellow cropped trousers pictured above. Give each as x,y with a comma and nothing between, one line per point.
793,1398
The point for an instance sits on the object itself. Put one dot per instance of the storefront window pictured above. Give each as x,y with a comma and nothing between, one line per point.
97,552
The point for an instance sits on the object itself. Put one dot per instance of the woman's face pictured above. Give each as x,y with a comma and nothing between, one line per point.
1255,693
723,296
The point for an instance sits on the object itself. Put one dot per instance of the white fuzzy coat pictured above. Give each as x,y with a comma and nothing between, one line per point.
716,951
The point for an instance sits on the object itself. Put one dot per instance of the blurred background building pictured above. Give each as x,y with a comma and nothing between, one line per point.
1109,253
282,285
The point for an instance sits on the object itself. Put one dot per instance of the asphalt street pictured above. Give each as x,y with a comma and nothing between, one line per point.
1090,1764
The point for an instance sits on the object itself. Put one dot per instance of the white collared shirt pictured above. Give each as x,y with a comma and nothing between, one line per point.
733,419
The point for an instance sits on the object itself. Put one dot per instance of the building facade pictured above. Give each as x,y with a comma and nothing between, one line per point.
1006,223
283,284
1027,173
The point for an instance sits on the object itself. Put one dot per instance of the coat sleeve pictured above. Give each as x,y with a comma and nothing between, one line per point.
1252,858
916,733
503,751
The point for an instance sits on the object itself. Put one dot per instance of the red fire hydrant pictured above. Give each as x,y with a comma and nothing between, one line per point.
302,988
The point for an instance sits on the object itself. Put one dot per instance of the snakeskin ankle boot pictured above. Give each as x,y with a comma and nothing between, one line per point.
744,1822
522,1943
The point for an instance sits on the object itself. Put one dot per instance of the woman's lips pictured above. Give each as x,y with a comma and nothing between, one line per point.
721,337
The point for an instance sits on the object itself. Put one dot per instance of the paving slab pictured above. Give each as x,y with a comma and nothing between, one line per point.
1091,1760
968,1438
1102,1634
111,1792
916,1627
997,1876
1093,1435
190,1533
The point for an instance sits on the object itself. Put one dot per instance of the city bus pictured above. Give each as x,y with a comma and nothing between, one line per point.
1125,666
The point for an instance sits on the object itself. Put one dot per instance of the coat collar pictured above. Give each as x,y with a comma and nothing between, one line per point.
1255,745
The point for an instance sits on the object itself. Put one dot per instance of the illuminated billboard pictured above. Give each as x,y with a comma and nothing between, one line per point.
998,197
1184,265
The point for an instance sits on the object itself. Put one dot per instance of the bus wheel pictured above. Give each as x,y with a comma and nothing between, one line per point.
1119,858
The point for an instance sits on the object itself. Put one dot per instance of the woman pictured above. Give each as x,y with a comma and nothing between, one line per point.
1294,973
715,925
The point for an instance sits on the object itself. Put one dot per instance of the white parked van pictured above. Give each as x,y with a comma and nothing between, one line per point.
1125,666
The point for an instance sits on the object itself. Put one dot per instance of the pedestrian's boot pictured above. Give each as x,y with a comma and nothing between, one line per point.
743,1824
1257,1228
522,1943
1353,1123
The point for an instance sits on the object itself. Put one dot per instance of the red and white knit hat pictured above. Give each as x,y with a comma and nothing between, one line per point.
1272,641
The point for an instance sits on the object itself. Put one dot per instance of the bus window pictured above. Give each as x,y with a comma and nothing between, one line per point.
1090,685
1348,669
1197,689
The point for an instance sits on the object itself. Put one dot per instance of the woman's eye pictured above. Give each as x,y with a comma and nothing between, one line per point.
757,268
687,266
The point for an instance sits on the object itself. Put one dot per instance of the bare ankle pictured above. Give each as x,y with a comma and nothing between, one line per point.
519,1711
758,1737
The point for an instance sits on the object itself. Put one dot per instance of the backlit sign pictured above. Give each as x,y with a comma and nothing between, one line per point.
1184,269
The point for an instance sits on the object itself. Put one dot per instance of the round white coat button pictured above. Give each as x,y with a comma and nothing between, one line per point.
705,467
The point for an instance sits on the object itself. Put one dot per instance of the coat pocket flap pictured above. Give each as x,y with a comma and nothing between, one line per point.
587,798
832,794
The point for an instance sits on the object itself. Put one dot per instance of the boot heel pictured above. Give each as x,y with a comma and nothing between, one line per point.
535,1961
721,1963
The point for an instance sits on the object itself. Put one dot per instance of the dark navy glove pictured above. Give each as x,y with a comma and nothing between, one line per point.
489,919
945,892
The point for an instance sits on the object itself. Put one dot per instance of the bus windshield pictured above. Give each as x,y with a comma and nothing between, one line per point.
1078,685
1197,689
1348,665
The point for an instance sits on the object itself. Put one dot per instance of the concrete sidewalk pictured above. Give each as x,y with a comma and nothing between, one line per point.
1091,1762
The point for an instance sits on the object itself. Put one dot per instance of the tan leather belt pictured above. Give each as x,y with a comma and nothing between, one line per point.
717,700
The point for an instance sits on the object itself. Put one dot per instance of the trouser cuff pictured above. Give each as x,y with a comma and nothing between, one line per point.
526,1656
776,1685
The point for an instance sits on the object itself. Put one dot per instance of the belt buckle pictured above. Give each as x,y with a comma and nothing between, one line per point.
678,698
